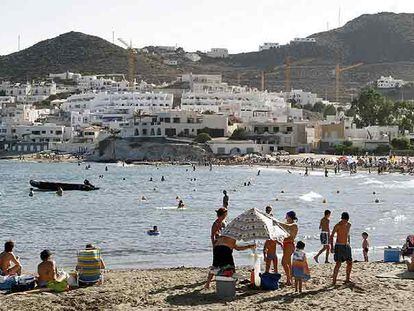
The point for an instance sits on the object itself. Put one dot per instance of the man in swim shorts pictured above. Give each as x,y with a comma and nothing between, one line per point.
324,236
342,250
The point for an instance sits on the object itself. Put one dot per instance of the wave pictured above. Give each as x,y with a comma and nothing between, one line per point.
400,184
310,196
371,181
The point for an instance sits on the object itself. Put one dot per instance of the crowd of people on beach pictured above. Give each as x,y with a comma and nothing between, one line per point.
294,260
49,277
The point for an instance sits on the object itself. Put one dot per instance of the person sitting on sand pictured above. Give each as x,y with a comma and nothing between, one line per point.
223,255
289,244
300,268
365,246
9,263
181,204
47,271
342,250
91,247
324,236
269,255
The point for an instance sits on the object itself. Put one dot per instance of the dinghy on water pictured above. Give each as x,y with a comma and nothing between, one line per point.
54,186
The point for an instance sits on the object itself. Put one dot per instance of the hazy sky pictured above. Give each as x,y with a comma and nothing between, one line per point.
239,25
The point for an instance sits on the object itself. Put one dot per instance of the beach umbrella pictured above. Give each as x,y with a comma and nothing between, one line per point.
254,225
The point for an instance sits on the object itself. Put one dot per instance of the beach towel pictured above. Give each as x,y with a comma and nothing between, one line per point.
89,266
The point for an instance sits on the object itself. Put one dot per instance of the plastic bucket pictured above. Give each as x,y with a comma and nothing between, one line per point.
392,255
225,287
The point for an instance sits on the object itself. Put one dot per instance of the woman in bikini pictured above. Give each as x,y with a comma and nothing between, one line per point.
289,244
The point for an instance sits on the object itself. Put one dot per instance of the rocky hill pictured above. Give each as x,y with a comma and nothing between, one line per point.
383,42
76,52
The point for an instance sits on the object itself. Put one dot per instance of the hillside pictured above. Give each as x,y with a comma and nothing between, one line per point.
76,52
383,42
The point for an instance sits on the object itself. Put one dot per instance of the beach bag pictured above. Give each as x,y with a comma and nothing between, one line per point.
24,283
7,282
408,247
269,281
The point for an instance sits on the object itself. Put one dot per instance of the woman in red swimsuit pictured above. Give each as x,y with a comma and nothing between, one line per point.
289,244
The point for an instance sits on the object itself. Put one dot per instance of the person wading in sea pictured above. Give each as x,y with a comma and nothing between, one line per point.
225,199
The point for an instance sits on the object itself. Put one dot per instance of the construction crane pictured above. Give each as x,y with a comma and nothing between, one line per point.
338,71
132,59
288,63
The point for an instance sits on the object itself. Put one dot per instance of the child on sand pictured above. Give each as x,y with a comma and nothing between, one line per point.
300,268
269,254
365,246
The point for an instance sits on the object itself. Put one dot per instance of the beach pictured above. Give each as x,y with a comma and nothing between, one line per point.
182,289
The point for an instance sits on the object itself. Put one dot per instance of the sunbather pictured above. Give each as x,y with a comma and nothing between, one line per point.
9,263
48,274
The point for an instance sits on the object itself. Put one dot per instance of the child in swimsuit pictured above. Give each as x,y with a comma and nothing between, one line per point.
269,253
365,246
300,268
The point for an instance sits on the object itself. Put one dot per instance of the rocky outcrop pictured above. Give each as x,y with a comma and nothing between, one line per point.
138,149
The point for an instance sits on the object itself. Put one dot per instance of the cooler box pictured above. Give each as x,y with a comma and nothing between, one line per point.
225,287
392,255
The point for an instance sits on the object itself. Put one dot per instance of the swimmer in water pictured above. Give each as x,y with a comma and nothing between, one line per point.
258,173
59,191
181,204
106,168
143,198
154,230
150,179
31,192
163,178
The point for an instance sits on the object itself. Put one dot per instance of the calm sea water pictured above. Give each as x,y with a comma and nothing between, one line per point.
116,219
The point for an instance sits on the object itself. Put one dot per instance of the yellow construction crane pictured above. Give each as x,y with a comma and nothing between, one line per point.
338,71
288,63
132,59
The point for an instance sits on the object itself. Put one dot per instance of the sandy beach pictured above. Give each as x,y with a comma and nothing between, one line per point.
181,289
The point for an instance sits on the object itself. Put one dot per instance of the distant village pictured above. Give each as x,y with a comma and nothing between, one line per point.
73,113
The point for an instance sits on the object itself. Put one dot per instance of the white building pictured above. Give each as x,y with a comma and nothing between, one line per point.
232,147
170,62
135,100
43,88
269,46
176,123
303,40
65,75
15,89
301,97
194,57
36,133
218,53
389,83
248,105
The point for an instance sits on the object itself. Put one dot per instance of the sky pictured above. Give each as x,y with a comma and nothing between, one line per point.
239,25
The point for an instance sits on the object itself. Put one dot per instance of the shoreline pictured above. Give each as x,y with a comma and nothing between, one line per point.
182,288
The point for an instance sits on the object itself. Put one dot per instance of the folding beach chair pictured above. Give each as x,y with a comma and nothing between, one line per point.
89,267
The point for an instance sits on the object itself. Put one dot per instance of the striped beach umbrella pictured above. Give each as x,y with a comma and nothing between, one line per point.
254,225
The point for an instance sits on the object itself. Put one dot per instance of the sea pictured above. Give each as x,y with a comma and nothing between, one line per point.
116,218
